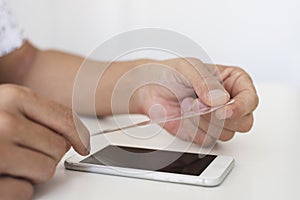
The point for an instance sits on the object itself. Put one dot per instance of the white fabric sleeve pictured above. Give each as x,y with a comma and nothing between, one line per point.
11,35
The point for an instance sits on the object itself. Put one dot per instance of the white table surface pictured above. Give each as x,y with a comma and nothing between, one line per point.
267,162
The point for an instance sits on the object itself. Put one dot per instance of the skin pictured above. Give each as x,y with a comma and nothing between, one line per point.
36,96
30,126
238,116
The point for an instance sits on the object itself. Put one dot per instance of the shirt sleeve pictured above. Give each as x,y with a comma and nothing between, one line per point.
11,35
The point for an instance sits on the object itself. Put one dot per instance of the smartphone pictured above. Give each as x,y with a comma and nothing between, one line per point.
153,164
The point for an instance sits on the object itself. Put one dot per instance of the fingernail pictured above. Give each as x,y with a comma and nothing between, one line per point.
217,97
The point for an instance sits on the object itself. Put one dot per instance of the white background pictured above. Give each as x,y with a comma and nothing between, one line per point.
262,36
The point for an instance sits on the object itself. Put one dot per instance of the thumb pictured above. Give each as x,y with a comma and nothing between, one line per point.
209,89
215,96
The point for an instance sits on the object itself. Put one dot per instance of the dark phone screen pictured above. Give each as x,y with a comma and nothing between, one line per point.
151,159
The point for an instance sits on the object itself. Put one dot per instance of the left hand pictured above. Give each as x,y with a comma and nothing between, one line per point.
185,83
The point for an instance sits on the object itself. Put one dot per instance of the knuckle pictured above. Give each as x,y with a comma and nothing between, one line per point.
238,72
48,171
8,123
239,69
12,92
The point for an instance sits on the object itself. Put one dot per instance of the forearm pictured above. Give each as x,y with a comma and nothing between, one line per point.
53,74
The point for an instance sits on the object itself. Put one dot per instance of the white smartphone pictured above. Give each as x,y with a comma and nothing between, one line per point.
137,162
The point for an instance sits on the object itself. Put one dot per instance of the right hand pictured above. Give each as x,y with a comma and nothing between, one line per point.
34,135
174,92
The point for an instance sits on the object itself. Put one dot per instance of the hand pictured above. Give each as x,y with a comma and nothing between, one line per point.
189,87
34,135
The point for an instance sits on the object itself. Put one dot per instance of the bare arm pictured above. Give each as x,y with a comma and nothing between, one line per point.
52,74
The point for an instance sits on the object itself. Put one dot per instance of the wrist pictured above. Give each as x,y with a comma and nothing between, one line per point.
136,102
139,98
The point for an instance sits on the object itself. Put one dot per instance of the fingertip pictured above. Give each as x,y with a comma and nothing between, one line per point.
217,97
226,136
83,151
84,135
86,152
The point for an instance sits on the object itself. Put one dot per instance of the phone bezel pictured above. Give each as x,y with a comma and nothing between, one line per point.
213,175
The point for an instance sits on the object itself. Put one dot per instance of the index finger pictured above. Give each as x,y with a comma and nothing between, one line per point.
206,84
59,119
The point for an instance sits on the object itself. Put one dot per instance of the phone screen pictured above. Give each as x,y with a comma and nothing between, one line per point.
140,158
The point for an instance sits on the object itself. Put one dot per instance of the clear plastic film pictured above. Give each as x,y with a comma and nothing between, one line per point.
186,117
161,121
